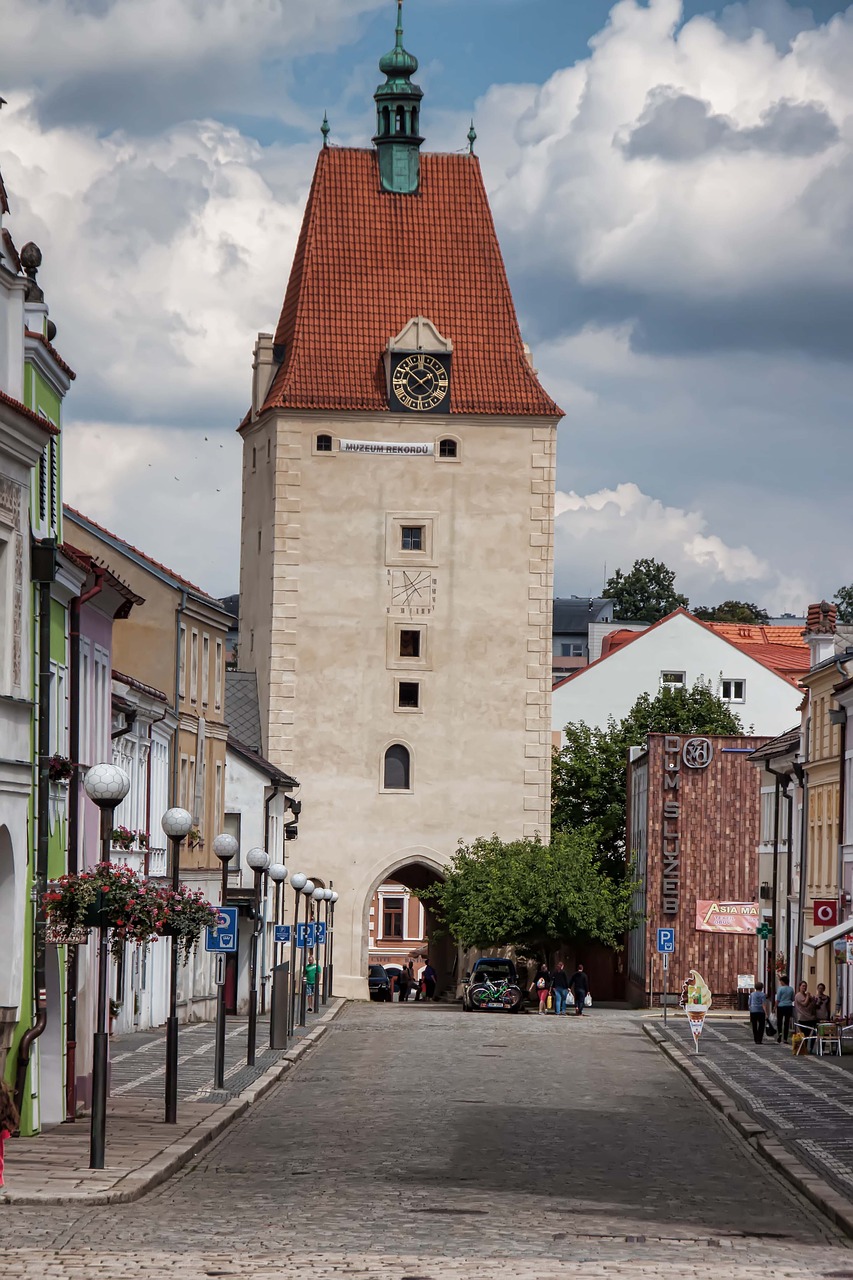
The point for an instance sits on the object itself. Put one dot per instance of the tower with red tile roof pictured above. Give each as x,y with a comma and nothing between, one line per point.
397,533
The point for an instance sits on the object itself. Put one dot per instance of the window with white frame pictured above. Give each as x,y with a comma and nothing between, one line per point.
217,677
102,727
58,737
768,797
205,669
194,666
220,798
182,658
86,756
184,798
733,690
571,650
673,679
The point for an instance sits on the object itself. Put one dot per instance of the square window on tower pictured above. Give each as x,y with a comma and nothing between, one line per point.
408,695
410,644
412,537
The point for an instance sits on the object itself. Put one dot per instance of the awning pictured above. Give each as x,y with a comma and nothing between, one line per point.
811,945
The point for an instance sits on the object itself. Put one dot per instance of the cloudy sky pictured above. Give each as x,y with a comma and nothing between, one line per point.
672,188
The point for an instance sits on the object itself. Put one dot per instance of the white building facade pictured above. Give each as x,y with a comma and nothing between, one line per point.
677,652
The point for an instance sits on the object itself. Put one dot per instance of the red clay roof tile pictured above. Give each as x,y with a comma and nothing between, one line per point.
28,413
39,337
369,261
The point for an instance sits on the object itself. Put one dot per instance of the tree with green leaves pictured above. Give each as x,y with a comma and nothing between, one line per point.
733,611
645,594
843,600
531,896
589,774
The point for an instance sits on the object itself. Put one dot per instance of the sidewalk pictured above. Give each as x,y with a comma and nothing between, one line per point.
142,1151
796,1110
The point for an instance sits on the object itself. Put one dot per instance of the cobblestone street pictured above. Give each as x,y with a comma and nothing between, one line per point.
417,1141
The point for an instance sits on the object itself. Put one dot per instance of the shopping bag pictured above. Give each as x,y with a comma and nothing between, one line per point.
549,1003
570,998
588,1001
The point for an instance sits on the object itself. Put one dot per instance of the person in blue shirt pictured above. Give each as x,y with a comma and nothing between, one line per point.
758,1012
784,1009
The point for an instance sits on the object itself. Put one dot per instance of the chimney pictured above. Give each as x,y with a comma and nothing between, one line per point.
263,371
819,634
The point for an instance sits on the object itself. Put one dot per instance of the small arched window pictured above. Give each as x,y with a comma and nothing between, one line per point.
415,120
398,768
386,120
401,120
324,444
448,449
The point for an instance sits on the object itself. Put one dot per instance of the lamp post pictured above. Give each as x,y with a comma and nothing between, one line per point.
258,860
319,895
308,890
279,1015
177,824
331,933
106,786
298,881
326,991
225,847
278,873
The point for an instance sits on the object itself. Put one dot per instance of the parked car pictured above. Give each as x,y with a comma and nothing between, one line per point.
378,983
492,984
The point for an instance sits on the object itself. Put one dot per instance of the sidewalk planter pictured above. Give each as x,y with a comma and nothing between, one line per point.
132,908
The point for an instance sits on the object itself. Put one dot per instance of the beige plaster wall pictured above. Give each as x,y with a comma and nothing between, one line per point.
318,599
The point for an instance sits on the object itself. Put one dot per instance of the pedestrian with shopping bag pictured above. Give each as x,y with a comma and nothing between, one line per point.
560,988
758,1005
579,983
542,984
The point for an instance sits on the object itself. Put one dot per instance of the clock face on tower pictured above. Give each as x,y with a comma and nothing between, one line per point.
420,383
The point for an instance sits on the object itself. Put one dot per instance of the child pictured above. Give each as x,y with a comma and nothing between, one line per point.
9,1120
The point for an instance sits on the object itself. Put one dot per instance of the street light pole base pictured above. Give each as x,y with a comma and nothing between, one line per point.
97,1145
253,1028
172,1070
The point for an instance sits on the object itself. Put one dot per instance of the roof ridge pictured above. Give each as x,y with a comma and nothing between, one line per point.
73,512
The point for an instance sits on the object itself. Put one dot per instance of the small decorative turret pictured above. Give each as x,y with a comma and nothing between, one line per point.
398,109
472,138
325,128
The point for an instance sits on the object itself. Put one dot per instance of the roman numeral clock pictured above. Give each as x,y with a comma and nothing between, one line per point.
417,364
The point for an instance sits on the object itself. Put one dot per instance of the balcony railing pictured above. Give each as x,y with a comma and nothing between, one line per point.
158,862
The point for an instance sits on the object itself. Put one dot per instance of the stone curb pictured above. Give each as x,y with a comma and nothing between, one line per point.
822,1194
171,1159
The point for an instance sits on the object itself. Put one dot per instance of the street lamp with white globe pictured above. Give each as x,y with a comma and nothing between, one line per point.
106,786
298,882
258,860
177,824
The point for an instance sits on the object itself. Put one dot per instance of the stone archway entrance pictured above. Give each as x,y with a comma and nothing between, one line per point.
399,927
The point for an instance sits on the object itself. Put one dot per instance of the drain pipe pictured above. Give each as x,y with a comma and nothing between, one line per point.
71,980
44,573
782,781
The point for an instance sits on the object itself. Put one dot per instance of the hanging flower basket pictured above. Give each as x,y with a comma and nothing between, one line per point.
110,896
59,768
186,914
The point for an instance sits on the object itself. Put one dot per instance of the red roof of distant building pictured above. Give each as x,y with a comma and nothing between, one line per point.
782,649
368,261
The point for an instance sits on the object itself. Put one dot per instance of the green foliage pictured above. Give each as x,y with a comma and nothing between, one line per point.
843,599
531,896
733,611
645,594
590,772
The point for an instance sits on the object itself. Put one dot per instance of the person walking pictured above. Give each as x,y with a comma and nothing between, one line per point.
758,1012
9,1120
784,1006
805,1014
428,977
312,972
560,987
579,983
543,986
403,985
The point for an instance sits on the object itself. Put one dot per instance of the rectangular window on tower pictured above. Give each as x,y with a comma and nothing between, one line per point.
408,695
412,537
410,644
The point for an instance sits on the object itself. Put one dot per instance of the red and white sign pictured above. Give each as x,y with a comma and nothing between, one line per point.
826,913
727,917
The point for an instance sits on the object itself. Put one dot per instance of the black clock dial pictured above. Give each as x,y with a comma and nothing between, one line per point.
421,384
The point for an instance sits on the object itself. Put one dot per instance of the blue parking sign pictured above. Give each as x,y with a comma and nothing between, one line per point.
305,935
321,933
282,933
223,935
666,941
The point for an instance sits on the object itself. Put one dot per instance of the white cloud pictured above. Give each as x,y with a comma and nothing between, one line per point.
616,526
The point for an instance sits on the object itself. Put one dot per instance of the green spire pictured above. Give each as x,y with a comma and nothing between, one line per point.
398,108
472,138
325,128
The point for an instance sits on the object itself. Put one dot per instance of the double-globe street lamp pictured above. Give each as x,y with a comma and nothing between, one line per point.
300,884
177,824
225,847
106,786
259,861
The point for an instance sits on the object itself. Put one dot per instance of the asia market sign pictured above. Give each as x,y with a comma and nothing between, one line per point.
388,450
678,753
727,917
